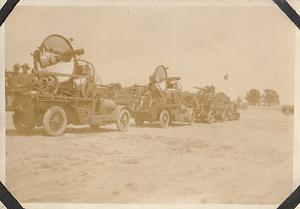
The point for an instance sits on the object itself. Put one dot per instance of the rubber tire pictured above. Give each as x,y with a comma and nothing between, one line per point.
119,126
161,122
21,127
224,117
230,116
48,114
138,122
210,120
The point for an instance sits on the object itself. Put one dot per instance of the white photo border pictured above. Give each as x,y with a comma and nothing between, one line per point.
154,3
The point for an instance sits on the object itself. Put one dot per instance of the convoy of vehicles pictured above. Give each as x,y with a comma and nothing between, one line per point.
61,89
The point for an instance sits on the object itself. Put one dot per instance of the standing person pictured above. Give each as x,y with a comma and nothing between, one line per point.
25,68
26,77
16,68
15,78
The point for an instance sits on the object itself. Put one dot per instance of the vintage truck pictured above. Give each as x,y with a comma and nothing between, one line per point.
210,106
159,101
60,89
287,109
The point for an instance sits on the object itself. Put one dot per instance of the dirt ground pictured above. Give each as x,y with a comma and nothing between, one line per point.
246,161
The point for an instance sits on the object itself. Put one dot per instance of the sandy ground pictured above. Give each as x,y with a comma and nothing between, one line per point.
245,161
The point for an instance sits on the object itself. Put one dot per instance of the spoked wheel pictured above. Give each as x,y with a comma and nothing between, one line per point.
210,117
224,117
192,118
230,116
48,84
164,119
123,120
55,121
138,122
22,125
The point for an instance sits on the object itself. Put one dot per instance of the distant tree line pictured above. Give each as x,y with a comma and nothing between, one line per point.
269,97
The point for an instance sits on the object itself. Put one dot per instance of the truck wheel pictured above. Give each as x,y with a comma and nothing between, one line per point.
138,122
123,120
164,119
224,117
21,125
192,119
210,117
55,121
230,116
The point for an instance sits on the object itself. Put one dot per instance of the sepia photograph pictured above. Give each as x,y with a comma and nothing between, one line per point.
190,104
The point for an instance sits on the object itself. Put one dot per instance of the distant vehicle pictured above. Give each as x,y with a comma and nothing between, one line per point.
243,106
55,94
287,109
210,106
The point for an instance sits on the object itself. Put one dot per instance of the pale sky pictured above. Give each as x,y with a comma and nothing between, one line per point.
255,46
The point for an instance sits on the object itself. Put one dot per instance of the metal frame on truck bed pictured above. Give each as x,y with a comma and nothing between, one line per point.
53,99
160,101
